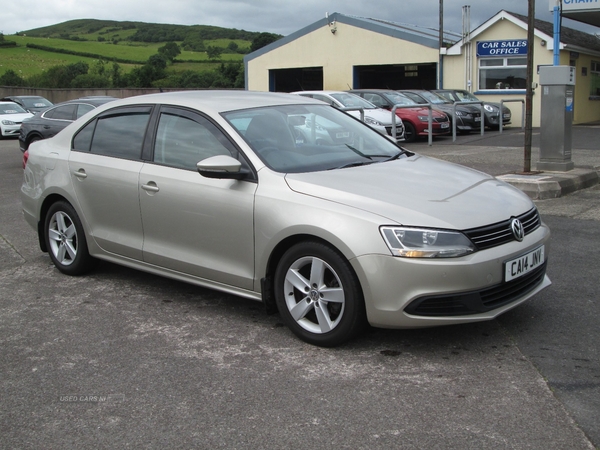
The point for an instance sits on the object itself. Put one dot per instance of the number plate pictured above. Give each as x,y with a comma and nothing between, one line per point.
477,119
445,125
524,264
506,116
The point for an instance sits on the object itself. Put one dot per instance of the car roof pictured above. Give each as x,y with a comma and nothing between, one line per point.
215,100
96,101
329,92
372,90
23,96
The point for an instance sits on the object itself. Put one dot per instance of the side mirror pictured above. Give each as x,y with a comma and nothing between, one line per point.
222,166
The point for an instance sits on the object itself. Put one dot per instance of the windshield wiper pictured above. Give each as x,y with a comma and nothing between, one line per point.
399,154
354,164
358,152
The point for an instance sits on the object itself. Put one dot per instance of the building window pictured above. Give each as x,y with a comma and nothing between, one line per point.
502,73
595,79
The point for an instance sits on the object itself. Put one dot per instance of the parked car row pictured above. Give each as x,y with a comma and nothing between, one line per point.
415,121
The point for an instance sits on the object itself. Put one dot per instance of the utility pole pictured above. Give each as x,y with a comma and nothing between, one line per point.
441,44
529,92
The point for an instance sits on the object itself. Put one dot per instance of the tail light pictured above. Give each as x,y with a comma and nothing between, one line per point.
25,158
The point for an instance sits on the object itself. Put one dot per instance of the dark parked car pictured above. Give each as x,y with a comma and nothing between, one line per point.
468,117
415,120
53,119
30,103
490,110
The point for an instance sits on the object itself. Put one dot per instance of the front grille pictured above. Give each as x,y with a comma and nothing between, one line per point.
501,233
476,302
440,119
399,131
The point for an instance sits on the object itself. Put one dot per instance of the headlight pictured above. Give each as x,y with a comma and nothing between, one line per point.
426,243
489,108
8,122
372,121
459,113
424,118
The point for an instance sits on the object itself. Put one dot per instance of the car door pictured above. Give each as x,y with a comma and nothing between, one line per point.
105,163
195,225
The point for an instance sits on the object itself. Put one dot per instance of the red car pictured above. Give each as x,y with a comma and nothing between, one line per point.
416,120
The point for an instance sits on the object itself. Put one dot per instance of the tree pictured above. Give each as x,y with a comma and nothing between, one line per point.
170,51
262,40
11,78
213,52
233,47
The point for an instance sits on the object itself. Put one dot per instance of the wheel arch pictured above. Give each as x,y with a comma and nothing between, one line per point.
267,282
31,136
46,204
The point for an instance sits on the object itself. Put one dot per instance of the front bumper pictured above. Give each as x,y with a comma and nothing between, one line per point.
395,287
10,130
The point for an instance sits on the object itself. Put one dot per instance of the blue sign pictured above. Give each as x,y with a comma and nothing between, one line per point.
513,47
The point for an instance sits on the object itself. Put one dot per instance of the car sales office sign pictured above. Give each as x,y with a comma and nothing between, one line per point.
513,47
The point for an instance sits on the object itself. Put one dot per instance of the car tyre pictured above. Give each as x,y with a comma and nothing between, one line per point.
65,240
318,295
410,133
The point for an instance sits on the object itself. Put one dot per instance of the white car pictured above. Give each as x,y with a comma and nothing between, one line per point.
377,118
11,117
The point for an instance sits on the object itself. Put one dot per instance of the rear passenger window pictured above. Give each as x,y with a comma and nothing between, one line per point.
183,140
66,112
116,133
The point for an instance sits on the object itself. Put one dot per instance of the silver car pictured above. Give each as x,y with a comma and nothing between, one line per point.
239,191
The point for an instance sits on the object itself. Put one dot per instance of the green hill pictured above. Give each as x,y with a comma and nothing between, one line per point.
129,44
92,29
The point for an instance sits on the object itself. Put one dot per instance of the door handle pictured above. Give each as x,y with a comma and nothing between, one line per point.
80,174
150,187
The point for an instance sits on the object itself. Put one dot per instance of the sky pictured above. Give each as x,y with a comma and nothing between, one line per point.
274,16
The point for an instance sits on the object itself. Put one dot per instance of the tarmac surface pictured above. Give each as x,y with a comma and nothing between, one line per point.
503,155
124,359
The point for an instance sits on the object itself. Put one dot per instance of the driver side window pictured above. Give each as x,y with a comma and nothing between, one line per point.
183,140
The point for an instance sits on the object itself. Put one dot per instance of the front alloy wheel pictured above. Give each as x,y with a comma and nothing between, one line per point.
318,295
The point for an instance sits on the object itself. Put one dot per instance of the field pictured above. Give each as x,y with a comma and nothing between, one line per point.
29,61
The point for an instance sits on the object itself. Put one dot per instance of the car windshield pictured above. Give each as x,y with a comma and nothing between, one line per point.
38,102
353,101
400,99
466,96
11,108
433,98
308,138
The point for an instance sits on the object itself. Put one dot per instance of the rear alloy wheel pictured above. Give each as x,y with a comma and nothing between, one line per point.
318,295
65,240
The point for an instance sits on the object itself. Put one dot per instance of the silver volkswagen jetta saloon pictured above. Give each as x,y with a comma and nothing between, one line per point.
287,200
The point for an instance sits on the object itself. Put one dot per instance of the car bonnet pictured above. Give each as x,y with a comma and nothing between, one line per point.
417,191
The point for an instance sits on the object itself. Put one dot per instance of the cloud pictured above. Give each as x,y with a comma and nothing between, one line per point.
275,16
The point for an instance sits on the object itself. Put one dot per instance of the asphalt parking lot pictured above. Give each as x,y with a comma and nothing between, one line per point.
124,359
